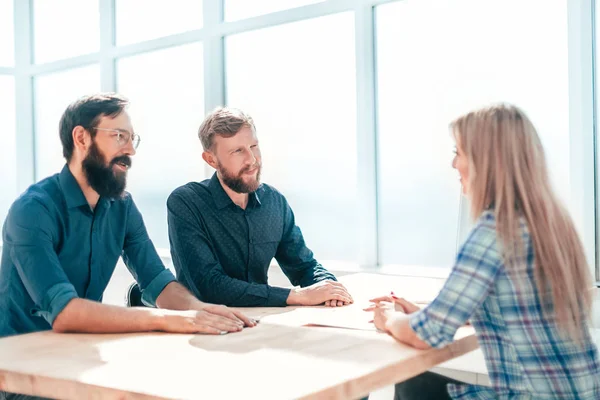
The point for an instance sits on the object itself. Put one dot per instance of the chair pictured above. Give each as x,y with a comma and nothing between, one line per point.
133,296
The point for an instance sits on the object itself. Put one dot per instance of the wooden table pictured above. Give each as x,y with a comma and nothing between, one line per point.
279,359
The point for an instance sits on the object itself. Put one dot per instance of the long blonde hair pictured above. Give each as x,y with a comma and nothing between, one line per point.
508,172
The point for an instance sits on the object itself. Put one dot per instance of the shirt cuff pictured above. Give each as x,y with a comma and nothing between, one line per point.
324,275
155,287
318,274
428,330
55,300
277,297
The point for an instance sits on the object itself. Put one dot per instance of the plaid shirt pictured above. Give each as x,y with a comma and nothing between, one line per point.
525,356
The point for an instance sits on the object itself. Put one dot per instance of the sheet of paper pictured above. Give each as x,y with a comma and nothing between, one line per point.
349,317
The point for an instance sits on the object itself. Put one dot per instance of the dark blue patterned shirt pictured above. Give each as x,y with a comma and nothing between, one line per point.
222,252
56,249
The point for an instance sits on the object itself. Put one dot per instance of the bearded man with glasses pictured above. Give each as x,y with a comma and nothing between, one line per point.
62,239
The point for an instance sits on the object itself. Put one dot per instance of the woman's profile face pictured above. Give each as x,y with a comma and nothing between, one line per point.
461,163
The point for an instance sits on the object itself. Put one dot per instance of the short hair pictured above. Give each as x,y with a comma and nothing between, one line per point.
87,112
225,122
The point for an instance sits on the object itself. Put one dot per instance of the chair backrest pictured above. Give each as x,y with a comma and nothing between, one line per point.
133,296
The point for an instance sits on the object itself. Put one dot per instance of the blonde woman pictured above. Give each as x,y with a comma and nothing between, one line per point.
521,277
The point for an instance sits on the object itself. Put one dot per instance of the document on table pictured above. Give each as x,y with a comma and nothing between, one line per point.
348,317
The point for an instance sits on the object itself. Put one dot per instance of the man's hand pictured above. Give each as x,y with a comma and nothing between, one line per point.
401,304
176,297
229,313
331,293
194,321
334,303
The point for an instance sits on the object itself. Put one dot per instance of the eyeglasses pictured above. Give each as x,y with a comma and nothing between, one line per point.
123,137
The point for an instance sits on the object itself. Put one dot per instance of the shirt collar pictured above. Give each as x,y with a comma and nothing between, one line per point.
255,196
222,199
73,194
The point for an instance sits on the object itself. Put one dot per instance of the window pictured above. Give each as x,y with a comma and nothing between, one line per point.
166,91
7,37
8,161
292,64
138,20
240,9
65,28
596,49
53,93
458,63
303,99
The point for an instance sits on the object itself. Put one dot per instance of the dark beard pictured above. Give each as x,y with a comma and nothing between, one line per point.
236,183
102,178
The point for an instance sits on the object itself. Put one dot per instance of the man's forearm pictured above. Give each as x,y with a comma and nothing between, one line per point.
233,292
86,316
176,297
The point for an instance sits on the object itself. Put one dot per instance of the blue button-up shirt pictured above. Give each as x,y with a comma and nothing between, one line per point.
525,354
222,252
56,249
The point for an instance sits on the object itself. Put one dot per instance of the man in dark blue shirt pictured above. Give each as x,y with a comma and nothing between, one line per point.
63,236
225,231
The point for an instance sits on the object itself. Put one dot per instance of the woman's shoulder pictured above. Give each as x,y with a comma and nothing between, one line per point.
485,225
481,245
483,234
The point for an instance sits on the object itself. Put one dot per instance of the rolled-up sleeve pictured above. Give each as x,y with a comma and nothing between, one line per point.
156,286
142,260
468,285
29,232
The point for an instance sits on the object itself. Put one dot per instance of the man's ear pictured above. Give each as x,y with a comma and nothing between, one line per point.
81,139
210,159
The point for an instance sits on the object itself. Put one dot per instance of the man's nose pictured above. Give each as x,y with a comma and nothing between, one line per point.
129,149
251,160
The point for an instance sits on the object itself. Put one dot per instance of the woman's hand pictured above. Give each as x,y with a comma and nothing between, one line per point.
396,324
383,311
400,303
